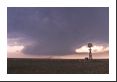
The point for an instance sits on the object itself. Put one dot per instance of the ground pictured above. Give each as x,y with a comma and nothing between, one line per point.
57,66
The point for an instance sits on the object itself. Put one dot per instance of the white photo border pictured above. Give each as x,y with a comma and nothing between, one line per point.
57,3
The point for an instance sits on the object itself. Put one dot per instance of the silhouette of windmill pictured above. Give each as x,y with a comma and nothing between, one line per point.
90,53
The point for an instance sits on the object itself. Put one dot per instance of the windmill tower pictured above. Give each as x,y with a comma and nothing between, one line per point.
90,53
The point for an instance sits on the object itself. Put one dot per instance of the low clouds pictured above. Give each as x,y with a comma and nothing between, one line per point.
14,49
95,49
56,31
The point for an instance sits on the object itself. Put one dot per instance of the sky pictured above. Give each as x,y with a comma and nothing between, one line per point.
57,32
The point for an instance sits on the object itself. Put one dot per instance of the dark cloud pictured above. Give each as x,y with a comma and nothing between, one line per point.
56,31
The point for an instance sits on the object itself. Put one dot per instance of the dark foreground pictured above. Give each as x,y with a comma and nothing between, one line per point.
57,66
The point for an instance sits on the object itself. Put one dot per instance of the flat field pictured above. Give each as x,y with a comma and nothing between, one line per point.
57,66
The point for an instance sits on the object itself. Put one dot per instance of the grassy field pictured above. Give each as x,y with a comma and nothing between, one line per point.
57,66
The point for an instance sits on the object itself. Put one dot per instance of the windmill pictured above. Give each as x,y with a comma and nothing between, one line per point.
90,53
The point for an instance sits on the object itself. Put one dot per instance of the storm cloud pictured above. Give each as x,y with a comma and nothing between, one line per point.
56,30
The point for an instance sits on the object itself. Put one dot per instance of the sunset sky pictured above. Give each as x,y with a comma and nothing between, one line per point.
57,32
